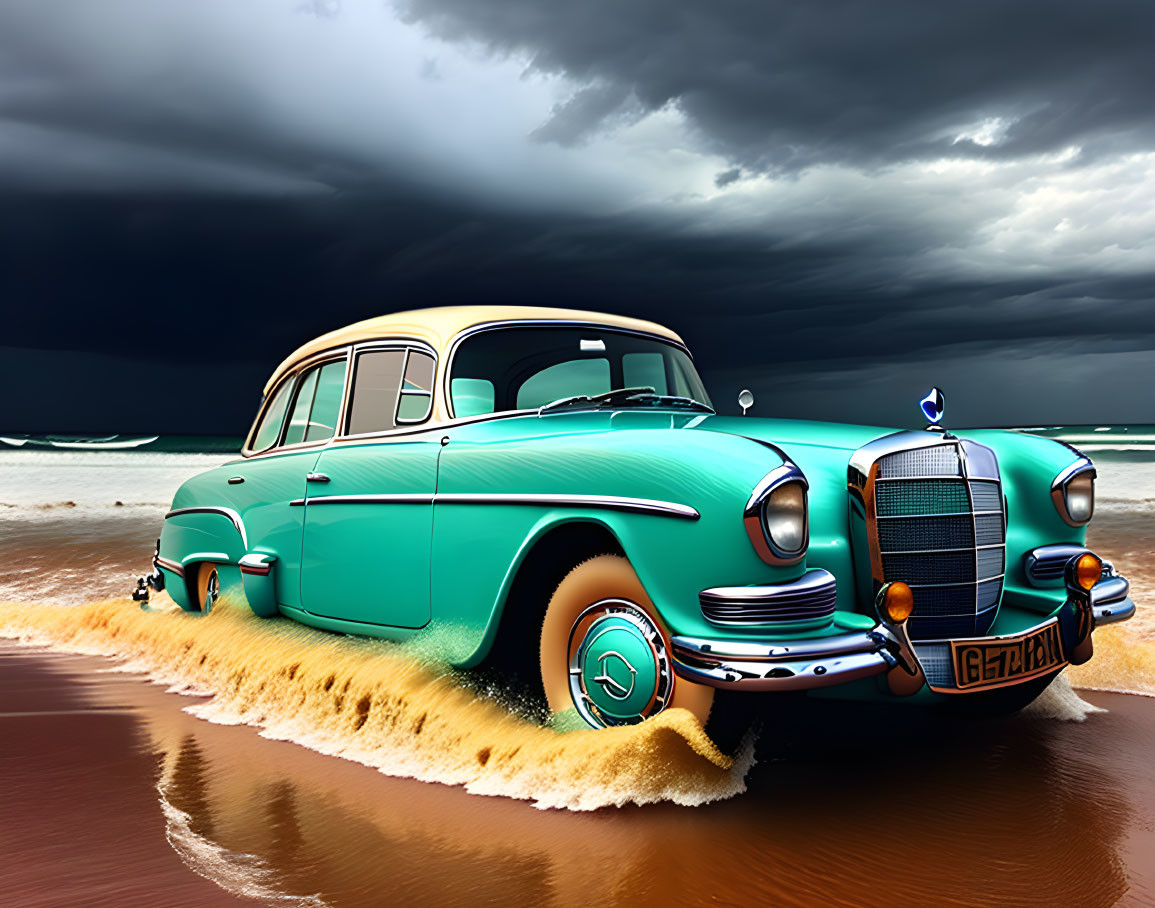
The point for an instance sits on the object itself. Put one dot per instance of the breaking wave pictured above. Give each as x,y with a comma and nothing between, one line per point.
388,706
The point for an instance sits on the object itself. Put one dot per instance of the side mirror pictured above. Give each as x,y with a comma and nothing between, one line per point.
745,400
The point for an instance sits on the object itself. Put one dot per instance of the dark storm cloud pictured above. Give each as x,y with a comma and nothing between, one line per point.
188,192
583,113
726,177
200,298
783,85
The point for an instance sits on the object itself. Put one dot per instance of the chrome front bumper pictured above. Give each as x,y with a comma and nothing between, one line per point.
800,665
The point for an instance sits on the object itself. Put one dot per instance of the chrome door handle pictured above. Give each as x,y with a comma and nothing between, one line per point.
236,480
316,477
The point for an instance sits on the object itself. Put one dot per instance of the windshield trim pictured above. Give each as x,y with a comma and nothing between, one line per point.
469,332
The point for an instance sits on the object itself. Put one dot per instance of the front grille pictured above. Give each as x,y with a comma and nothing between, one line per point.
920,496
941,530
936,665
810,598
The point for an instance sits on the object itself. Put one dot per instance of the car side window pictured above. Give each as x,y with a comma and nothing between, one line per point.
568,379
417,388
317,403
269,429
390,388
376,387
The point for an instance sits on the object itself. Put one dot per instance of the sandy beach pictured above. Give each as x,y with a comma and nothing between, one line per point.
328,771
114,795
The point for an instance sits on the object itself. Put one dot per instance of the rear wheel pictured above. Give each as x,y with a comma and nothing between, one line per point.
605,653
208,587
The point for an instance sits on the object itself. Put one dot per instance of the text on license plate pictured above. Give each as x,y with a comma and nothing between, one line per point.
986,664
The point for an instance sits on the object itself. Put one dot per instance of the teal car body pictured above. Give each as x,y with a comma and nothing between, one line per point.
437,516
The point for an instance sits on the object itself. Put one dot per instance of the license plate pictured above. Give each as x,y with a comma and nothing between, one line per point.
1009,659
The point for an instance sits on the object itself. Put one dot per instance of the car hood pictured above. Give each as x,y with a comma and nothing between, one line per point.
790,434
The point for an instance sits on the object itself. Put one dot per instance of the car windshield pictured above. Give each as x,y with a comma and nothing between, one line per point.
520,368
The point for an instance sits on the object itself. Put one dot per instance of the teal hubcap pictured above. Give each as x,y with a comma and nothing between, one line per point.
619,671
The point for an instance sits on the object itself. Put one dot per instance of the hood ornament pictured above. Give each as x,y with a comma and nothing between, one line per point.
933,406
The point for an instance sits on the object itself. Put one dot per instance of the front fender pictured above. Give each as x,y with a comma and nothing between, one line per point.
674,557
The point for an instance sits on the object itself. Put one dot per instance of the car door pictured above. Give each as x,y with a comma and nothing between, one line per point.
284,446
369,506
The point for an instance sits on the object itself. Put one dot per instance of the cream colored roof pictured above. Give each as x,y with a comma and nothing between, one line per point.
439,326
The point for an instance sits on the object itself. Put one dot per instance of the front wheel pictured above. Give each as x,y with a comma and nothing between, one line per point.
605,653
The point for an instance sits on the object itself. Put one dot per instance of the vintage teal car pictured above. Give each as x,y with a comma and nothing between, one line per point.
554,487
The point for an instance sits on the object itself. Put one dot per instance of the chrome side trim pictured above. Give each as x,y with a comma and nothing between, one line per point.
169,565
603,502
224,512
398,498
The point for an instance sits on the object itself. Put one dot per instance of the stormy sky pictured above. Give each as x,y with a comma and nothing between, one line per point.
837,204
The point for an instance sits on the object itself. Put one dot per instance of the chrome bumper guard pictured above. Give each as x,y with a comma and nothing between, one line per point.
1109,597
886,648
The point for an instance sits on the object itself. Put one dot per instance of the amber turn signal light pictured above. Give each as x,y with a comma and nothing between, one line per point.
895,602
1088,570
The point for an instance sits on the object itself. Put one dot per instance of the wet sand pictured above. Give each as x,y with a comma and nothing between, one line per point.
101,771
112,793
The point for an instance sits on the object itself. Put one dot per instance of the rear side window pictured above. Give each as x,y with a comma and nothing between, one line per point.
317,403
417,388
390,388
376,385
270,427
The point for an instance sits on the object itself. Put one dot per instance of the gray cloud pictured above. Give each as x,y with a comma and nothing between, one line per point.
835,204
782,86
726,177
585,111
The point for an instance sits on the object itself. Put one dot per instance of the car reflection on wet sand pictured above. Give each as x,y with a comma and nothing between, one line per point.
849,805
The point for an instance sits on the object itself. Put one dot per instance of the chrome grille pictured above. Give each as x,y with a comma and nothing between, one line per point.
937,461
940,528
936,665
911,497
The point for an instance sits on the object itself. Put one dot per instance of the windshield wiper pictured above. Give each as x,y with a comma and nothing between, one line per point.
621,396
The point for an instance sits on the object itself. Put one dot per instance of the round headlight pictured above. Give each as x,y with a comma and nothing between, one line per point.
1080,496
1074,494
775,516
784,516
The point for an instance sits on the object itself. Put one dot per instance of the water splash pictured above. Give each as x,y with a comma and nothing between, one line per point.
378,704
1059,701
